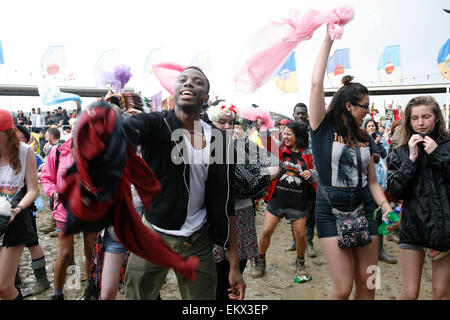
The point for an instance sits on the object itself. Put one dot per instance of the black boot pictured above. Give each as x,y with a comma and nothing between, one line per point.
291,246
309,241
91,292
19,295
18,280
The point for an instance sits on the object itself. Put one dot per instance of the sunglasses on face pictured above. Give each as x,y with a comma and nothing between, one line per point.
362,106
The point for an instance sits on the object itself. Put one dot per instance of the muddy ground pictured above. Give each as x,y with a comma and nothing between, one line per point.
277,284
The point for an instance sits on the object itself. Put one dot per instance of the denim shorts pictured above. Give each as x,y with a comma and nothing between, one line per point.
410,247
289,214
111,245
344,200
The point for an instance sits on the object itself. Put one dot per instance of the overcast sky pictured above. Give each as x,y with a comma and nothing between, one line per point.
184,28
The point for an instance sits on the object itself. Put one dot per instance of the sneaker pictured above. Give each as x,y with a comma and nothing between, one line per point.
300,264
383,256
58,297
259,267
90,293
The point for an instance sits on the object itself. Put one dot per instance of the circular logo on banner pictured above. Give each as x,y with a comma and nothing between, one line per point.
389,68
52,69
338,70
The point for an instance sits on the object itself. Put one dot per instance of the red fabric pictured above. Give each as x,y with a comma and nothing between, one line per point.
388,196
6,120
92,134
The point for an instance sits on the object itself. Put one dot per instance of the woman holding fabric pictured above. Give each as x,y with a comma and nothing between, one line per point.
347,180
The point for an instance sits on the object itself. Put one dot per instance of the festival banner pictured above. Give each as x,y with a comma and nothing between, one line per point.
53,60
389,68
2,59
443,60
286,77
338,66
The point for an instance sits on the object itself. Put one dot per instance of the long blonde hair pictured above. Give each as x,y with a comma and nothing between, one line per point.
406,119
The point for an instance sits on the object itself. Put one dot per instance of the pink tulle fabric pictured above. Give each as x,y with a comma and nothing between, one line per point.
253,114
167,74
267,50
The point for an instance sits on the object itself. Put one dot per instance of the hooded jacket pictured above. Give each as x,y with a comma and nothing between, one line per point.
52,176
424,187
163,150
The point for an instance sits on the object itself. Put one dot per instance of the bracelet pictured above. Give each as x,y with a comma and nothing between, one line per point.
19,206
383,202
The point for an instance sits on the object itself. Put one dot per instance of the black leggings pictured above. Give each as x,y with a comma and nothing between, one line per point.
223,270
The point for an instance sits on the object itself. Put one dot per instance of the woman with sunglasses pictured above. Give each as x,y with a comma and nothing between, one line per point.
347,181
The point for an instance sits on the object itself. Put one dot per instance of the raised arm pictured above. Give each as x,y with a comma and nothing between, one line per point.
317,97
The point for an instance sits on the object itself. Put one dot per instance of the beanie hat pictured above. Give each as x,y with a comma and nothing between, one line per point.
6,120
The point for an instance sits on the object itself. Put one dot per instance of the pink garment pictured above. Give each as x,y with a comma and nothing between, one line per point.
266,51
52,180
167,74
255,114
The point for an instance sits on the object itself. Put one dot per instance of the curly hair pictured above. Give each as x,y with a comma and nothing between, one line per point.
301,133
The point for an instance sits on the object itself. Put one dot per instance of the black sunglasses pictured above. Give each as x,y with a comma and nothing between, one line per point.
362,106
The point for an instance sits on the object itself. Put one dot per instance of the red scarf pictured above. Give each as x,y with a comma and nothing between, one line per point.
92,136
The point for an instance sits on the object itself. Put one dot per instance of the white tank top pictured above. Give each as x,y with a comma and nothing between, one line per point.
10,183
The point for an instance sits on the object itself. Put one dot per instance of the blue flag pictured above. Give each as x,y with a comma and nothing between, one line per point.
389,67
2,60
444,60
286,77
338,66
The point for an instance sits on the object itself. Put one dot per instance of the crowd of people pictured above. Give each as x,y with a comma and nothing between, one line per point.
332,169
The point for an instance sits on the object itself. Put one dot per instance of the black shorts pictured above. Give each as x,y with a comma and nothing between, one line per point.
35,241
21,230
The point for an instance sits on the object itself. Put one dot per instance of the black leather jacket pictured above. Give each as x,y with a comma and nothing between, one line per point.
153,132
424,187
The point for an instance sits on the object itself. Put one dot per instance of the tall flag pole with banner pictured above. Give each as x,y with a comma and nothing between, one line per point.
286,77
338,66
443,60
389,68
